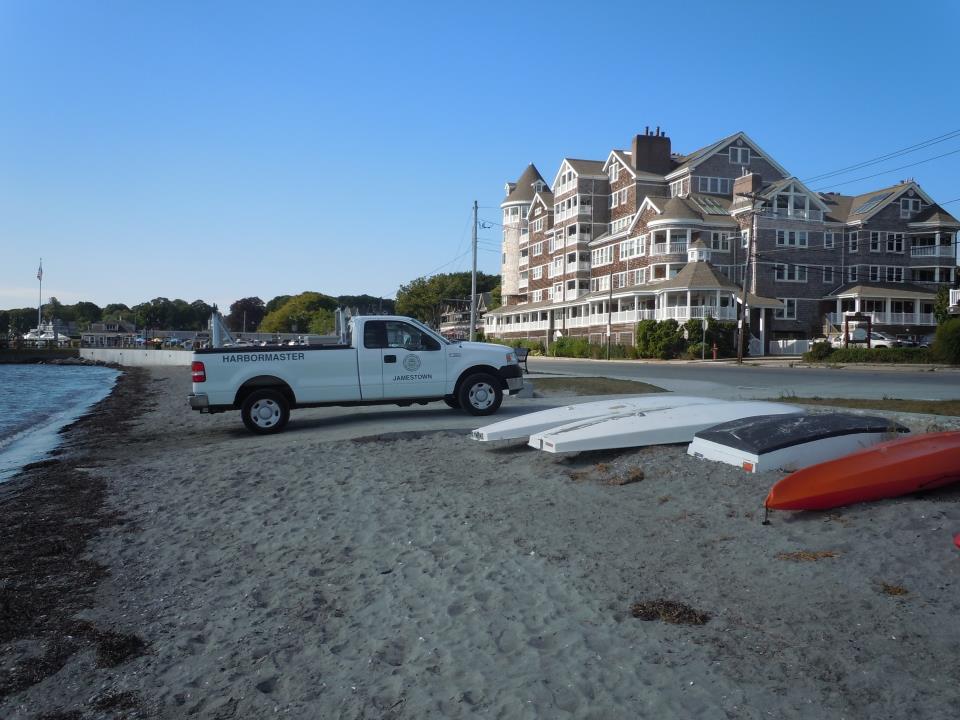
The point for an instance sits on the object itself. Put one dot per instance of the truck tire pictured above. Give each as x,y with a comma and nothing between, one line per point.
480,394
265,412
452,402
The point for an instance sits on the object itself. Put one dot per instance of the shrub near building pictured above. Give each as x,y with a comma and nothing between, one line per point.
946,343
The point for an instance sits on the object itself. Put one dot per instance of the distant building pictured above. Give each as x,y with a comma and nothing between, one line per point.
649,233
455,319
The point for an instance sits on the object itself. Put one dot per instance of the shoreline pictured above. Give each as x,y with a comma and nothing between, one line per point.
358,565
51,511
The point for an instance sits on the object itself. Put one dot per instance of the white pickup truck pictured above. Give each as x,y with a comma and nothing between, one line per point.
387,360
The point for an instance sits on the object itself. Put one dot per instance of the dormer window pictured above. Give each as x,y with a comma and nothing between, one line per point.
909,207
614,171
740,155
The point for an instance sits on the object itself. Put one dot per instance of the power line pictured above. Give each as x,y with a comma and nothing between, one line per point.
881,158
902,167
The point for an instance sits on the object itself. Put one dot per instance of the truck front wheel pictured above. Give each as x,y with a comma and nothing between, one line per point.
480,394
265,412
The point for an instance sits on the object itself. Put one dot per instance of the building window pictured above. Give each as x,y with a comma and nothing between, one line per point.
852,273
874,241
537,248
790,273
828,274
557,291
909,207
853,241
720,241
789,310
602,256
874,273
538,296
745,239
599,284
628,248
828,240
894,242
894,274
618,198
680,187
538,225
538,272
792,238
715,185
614,171
740,155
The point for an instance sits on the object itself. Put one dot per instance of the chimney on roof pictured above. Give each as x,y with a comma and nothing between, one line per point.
646,130
746,184
651,152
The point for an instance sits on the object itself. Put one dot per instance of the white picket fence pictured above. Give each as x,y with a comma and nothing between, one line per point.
789,347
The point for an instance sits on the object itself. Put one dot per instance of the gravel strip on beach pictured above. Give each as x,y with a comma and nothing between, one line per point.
420,574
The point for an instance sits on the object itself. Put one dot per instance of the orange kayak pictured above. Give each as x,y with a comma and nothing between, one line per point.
885,470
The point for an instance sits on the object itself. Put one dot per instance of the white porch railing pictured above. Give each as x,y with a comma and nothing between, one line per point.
673,248
932,251
884,318
789,347
954,298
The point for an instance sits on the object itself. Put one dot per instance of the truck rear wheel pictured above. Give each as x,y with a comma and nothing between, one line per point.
480,394
265,412
452,402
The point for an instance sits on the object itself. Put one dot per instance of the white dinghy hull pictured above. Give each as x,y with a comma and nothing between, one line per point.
524,426
791,443
656,427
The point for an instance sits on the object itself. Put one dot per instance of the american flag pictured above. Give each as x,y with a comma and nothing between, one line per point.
40,271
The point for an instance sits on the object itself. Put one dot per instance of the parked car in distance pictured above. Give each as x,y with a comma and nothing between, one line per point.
859,337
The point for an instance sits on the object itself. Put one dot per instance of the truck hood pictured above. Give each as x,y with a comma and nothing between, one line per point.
485,347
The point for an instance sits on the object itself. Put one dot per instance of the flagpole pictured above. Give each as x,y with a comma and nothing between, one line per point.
40,296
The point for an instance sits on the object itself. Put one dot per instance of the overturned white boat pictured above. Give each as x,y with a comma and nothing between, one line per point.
654,427
525,425
790,443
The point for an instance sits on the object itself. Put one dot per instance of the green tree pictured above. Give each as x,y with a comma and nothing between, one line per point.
115,312
278,302
941,305
86,312
368,304
300,314
425,298
199,315
245,314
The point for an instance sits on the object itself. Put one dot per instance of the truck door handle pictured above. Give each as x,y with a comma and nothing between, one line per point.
389,358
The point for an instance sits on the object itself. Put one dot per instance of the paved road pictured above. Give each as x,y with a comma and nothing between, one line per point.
748,381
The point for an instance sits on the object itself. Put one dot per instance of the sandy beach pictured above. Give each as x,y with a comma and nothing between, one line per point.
185,568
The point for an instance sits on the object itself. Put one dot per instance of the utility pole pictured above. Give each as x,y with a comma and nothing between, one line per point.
744,308
609,312
473,279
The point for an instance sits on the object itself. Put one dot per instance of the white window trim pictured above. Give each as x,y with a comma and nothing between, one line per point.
740,151
785,313
832,241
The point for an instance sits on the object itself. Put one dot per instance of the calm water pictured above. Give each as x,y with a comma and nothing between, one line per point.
36,401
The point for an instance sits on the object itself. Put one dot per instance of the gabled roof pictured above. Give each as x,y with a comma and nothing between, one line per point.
696,276
545,198
778,185
934,215
523,192
690,162
845,207
580,167
882,289
626,159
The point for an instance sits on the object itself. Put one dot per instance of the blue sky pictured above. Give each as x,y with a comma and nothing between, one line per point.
218,150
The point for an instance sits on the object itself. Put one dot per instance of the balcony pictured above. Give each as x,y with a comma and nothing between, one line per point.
524,260
954,298
671,248
787,214
885,318
932,251
578,267
682,313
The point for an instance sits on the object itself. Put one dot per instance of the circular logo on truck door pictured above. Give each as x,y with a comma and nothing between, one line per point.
411,363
